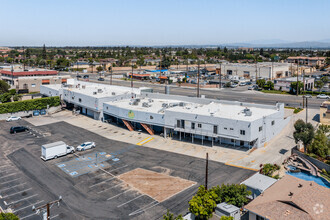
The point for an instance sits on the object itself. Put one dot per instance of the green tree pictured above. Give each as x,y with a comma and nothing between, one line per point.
261,83
320,145
293,87
269,169
234,194
303,132
203,203
269,85
91,63
170,216
99,68
44,52
319,84
226,218
5,97
8,216
3,86
140,62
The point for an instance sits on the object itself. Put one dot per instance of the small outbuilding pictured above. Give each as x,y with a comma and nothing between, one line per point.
224,209
257,184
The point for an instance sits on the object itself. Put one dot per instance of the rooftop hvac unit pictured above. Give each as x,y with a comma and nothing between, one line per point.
135,102
150,100
247,112
83,86
145,104
94,93
99,90
164,105
181,104
113,93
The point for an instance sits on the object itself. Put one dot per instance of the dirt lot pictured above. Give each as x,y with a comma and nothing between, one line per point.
156,185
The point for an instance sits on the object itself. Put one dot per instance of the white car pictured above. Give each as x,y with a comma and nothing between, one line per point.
13,118
308,96
233,85
85,146
322,96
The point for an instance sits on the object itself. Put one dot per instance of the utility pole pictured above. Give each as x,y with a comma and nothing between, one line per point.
304,89
306,111
47,206
186,75
206,170
297,77
110,75
23,59
220,77
132,77
198,80
12,75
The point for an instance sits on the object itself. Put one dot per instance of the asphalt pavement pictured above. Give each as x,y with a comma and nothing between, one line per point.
98,194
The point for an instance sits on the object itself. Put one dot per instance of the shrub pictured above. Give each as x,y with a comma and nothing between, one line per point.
27,105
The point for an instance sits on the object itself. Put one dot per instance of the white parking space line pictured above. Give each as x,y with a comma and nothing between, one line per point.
119,194
117,168
129,201
107,172
28,206
7,175
4,189
54,216
101,182
144,208
98,175
11,180
7,171
5,165
9,195
27,216
22,199
110,187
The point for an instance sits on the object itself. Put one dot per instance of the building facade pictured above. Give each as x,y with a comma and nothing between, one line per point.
309,61
284,84
196,119
266,70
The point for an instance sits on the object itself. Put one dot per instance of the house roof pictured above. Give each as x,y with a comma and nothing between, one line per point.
292,198
259,182
227,207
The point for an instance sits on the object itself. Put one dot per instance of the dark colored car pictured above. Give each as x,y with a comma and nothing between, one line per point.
100,79
18,129
86,77
78,76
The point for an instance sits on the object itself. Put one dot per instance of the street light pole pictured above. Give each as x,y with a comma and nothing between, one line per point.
198,80
110,75
132,78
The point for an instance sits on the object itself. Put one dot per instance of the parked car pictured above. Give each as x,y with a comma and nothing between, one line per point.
85,146
78,76
43,112
308,96
250,88
86,76
322,96
100,79
233,85
17,129
36,113
242,84
13,118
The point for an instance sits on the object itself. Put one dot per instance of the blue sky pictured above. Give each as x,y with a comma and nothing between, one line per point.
155,22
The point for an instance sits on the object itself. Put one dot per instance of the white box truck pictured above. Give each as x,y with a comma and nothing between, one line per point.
55,150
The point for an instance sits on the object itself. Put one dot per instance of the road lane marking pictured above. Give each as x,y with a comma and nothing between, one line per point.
11,180
9,195
11,187
30,205
129,201
27,216
119,194
110,187
22,199
144,141
8,175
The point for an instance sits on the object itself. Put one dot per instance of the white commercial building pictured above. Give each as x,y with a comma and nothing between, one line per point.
194,119
88,98
222,122
266,70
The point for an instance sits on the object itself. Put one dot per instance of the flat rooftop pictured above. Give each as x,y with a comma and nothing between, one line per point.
95,89
220,110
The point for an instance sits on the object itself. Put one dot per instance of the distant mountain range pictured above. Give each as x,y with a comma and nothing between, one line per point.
283,44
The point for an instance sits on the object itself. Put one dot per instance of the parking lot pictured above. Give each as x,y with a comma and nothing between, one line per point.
115,180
